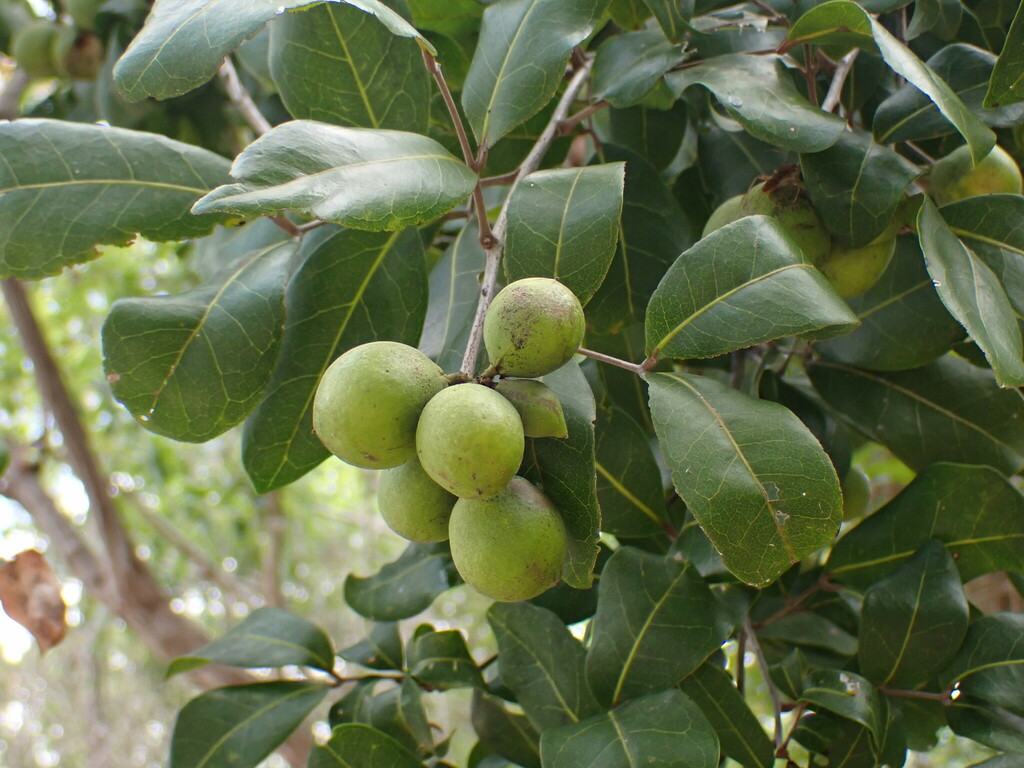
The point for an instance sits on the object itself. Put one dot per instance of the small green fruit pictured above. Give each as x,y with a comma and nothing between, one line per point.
795,214
413,505
32,47
510,547
852,271
532,327
470,441
728,212
856,494
83,12
369,400
538,407
955,176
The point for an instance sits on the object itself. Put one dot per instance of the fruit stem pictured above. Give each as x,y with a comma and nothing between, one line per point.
636,368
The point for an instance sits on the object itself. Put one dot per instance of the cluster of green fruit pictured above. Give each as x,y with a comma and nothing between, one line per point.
451,449
45,48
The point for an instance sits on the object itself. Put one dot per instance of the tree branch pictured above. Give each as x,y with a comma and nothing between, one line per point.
603,358
835,88
773,692
241,98
274,526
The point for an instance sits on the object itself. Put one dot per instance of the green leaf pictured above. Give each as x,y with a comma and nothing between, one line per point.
909,115
913,620
965,416
741,735
193,365
1007,83
903,323
184,41
564,223
993,726
856,186
850,696
336,64
629,65
662,730
756,91
755,479
809,630
354,745
729,161
656,622
990,663
109,185
655,134
565,470
353,288
453,18
505,733
382,648
743,284
990,539
542,663
999,761
673,16
241,725
974,295
400,714
402,588
267,637
845,23
441,661
361,178
520,60
939,17
628,480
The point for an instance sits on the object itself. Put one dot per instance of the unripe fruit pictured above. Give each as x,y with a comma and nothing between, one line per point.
852,271
413,505
795,214
955,176
538,407
369,400
728,212
83,12
856,494
470,441
532,327
32,47
510,547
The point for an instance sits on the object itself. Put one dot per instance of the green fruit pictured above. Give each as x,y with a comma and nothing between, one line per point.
955,176
32,48
369,400
853,270
83,12
470,441
856,494
413,505
538,407
795,214
728,212
532,327
510,547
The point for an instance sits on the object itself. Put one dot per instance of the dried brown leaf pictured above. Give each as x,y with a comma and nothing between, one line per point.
31,596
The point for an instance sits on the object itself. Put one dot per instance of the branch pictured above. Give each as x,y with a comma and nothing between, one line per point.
275,525
603,358
835,88
773,692
242,99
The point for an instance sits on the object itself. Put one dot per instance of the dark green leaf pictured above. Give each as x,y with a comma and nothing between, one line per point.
448,17
628,480
109,185
913,620
974,295
755,91
400,714
730,161
503,732
999,761
855,186
990,538
662,730
241,725
542,663
743,284
673,16
337,64
403,588
903,323
751,474
520,60
354,745
382,648
267,637
993,726
353,287
441,661
361,178
810,630
655,134
990,664
629,65
656,622
850,696
948,410
564,223
939,17
184,41
1007,84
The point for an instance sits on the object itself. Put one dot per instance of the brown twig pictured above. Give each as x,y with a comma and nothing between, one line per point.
603,358
835,88
565,126
242,99
945,697
274,524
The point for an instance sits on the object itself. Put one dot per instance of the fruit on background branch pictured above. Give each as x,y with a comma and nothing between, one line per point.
955,176
33,48
413,505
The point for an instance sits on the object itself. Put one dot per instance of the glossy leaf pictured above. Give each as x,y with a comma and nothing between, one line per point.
241,725
564,223
440,660
1007,83
628,480
672,16
503,732
661,730
653,133
809,630
354,745
990,725
382,648
520,60
743,284
361,178
913,620
990,664
656,622
403,588
193,365
108,184
629,65
337,64
755,479
729,161
990,538
974,295
542,663
399,713
948,410
353,287
756,92
850,696
184,41
855,186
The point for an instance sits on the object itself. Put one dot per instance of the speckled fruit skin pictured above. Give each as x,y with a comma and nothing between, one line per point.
532,327
955,176
369,401
797,217
470,441
413,505
851,271
510,547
